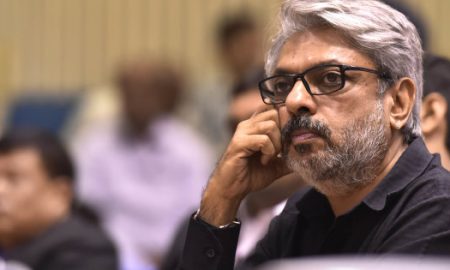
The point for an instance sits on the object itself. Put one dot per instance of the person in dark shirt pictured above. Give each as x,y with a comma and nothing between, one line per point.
345,82
38,228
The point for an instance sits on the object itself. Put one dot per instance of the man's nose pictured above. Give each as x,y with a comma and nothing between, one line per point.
299,99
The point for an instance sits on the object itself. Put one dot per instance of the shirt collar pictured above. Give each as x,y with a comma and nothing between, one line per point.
413,161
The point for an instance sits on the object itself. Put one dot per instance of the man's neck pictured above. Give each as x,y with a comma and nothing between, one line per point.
342,204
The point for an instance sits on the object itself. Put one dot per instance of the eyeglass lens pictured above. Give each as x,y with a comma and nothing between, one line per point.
319,80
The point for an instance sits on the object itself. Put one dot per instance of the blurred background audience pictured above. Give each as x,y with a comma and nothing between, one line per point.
435,116
258,208
142,172
146,130
239,44
40,227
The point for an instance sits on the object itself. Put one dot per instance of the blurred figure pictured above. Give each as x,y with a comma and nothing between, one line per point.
435,117
245,98
260,207
239,41
37,227
143,172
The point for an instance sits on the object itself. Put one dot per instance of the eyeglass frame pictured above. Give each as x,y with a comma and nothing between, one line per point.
301,76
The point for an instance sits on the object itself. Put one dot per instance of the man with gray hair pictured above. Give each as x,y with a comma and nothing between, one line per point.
344,87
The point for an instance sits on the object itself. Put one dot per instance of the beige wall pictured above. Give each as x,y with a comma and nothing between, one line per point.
72,44
66,44
436,13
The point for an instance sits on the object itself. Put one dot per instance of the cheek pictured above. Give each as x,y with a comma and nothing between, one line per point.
22,203
17,212
283,115
26,199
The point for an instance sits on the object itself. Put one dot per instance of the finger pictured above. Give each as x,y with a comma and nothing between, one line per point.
248,126
260,143
270,128
271,114
262,108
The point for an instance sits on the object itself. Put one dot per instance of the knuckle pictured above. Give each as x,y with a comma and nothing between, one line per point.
266,126
273,113
272,125
241,125
266,145
265,140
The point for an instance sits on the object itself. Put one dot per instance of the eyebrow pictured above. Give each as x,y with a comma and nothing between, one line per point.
282,71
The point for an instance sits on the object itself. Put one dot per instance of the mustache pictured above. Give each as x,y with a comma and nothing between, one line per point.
304,122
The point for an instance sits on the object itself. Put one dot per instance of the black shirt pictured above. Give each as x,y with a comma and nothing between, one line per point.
72,244
407,213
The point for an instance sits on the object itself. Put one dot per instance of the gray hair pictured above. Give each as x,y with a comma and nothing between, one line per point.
382,33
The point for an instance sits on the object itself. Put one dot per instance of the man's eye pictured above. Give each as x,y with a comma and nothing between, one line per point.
332,78
282,87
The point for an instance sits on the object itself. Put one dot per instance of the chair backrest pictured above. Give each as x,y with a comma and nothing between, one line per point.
50,112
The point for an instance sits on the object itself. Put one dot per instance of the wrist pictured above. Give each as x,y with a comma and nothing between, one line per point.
217,210
234,223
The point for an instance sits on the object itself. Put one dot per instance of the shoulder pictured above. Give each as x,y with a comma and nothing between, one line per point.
96,139
69,244
78,242
78,232
433,183
178,136
418,216
170,125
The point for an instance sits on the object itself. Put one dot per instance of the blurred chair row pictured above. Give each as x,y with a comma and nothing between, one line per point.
47,111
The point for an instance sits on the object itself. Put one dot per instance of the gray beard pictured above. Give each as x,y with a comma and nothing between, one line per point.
348,165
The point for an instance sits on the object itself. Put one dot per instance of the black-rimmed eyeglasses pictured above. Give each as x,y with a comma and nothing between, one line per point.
318,80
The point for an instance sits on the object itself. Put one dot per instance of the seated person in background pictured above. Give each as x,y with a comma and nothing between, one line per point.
145,171
434,115
38,228
345,82
259,207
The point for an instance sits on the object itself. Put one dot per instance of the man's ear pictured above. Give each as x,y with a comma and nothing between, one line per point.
433,112
403,95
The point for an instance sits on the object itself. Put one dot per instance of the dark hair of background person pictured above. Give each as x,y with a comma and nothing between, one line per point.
55,158
248,83
436,75
232,25
52,152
